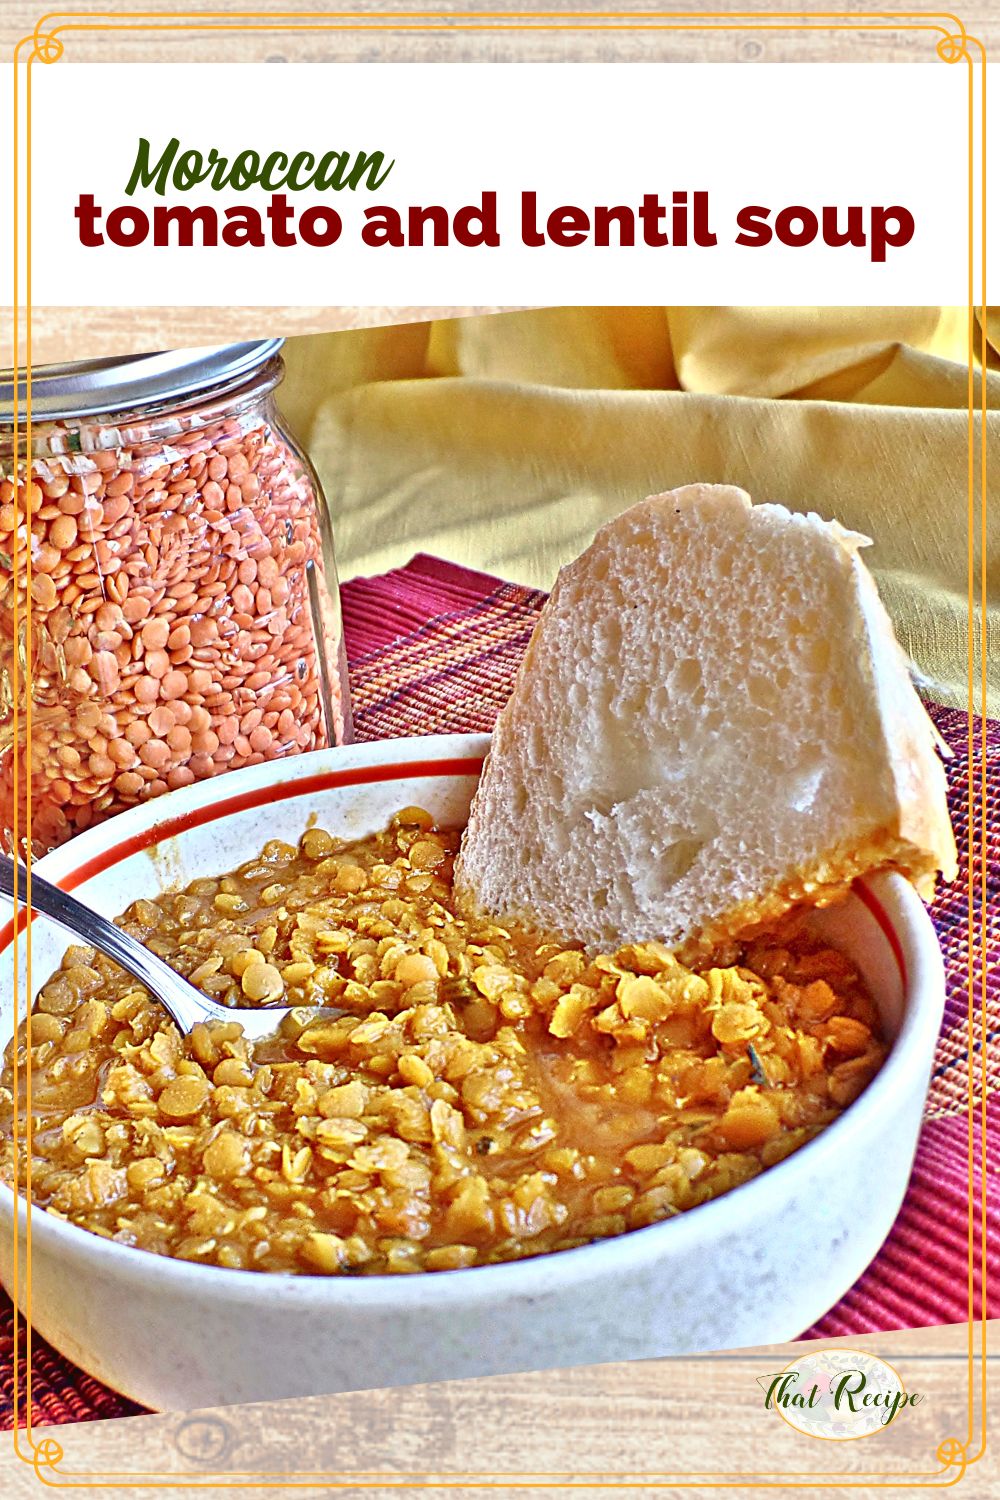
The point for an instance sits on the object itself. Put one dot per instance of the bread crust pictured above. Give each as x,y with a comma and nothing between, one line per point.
924,825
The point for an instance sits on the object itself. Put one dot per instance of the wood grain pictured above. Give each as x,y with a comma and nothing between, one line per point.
641,1427
58,333
852,43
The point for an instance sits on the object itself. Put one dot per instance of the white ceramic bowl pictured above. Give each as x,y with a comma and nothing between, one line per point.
756,1266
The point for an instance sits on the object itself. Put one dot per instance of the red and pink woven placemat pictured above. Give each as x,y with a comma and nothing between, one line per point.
432,649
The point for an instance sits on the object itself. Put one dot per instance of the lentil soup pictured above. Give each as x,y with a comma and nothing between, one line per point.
484,1095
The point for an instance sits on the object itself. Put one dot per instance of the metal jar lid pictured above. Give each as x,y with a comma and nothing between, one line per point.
131,382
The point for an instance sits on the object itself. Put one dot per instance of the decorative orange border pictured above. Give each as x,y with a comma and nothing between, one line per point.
953,44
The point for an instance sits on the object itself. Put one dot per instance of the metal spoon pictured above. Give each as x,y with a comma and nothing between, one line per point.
184,1003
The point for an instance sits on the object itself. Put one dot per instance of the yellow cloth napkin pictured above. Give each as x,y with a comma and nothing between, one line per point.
503,441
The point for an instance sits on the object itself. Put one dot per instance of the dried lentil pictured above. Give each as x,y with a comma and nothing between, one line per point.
156,595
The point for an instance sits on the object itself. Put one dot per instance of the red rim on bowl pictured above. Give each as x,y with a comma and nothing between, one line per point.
576,1263
323,781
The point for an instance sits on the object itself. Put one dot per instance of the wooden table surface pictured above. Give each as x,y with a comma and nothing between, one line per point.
639,1428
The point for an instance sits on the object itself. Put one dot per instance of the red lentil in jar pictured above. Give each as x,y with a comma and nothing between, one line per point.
184,613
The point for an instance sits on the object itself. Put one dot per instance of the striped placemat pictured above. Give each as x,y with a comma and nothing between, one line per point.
433,649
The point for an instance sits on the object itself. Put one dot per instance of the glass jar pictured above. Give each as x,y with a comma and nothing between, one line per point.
184,614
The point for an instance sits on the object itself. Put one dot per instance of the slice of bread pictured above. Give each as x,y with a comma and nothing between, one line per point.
713,722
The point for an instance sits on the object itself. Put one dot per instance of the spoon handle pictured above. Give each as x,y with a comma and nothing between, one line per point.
181,999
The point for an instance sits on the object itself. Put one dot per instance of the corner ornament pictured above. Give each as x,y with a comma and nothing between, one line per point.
953,1454
954,47
45,1456
46,48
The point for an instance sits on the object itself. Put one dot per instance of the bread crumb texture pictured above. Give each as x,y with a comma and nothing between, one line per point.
713,721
